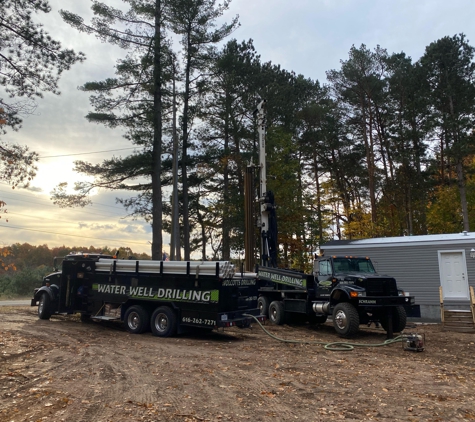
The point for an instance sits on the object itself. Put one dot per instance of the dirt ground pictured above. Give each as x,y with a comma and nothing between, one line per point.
66,370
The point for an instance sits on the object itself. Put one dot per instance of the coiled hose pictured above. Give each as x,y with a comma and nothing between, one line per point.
338,346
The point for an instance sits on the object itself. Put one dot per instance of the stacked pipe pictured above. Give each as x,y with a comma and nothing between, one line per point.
225,269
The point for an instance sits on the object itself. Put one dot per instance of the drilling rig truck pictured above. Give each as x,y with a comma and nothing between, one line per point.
346,288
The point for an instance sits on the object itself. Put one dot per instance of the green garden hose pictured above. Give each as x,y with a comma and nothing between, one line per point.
338,346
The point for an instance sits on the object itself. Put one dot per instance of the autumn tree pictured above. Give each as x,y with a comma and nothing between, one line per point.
403,202
450,72
360,87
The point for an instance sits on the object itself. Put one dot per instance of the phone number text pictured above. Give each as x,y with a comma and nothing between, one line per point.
198,321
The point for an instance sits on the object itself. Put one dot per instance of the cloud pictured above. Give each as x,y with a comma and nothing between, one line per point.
35,189
96,226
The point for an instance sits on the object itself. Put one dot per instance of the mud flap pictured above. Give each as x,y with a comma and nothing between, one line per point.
413,311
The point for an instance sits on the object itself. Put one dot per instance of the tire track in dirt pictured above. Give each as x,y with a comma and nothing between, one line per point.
65,370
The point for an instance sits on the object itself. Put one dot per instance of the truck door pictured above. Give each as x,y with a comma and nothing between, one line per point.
324,275
74,288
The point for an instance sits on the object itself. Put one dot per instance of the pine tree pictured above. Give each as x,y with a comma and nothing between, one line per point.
133,99
31,63
195,22
450,72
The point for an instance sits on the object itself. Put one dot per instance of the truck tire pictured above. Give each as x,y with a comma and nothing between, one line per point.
276,312
136,320
163,322
346,320
44,306
263,304
399,319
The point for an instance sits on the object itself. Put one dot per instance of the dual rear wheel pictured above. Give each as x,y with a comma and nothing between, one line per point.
163,322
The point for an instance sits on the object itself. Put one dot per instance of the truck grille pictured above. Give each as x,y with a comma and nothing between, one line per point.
381,287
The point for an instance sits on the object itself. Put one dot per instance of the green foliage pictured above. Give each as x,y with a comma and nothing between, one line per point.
143,98
444,214
450,72
22,283
24,265
379,151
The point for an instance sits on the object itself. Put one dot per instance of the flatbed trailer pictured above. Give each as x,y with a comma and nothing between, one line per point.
164,296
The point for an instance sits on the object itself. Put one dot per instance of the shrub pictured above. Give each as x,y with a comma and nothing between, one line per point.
22,282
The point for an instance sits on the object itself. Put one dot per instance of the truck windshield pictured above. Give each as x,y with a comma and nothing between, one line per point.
358,265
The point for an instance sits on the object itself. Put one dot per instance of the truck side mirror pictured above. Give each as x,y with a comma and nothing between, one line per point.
315,268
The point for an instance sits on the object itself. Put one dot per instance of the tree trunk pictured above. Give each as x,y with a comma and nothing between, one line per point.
369,142
184,159
319,199
175,254
226,226
463,195
157,240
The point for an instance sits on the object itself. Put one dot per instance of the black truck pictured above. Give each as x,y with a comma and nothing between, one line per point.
164,296
347,288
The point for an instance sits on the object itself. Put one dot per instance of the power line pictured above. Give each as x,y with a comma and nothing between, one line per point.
9,213
56,207
86,153
49,204
72,235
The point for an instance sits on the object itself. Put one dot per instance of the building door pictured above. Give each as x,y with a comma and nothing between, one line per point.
453,275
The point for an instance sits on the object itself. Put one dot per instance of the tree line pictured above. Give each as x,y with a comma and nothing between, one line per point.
383,147
23,266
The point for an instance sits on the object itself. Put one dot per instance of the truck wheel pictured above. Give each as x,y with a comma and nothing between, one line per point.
399,319
263,305
346,319
136,320
276,312
44,306
163,322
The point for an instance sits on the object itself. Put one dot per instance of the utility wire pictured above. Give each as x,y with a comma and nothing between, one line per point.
9,214
47,202
86,153
72,235
56,207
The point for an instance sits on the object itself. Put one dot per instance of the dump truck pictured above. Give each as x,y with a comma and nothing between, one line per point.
165,297
347,288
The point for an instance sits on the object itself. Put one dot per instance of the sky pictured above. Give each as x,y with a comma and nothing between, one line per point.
309,37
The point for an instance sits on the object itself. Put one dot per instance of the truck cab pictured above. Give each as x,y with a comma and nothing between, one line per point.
347,288
350,288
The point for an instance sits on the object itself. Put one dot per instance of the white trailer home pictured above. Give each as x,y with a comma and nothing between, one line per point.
421,264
